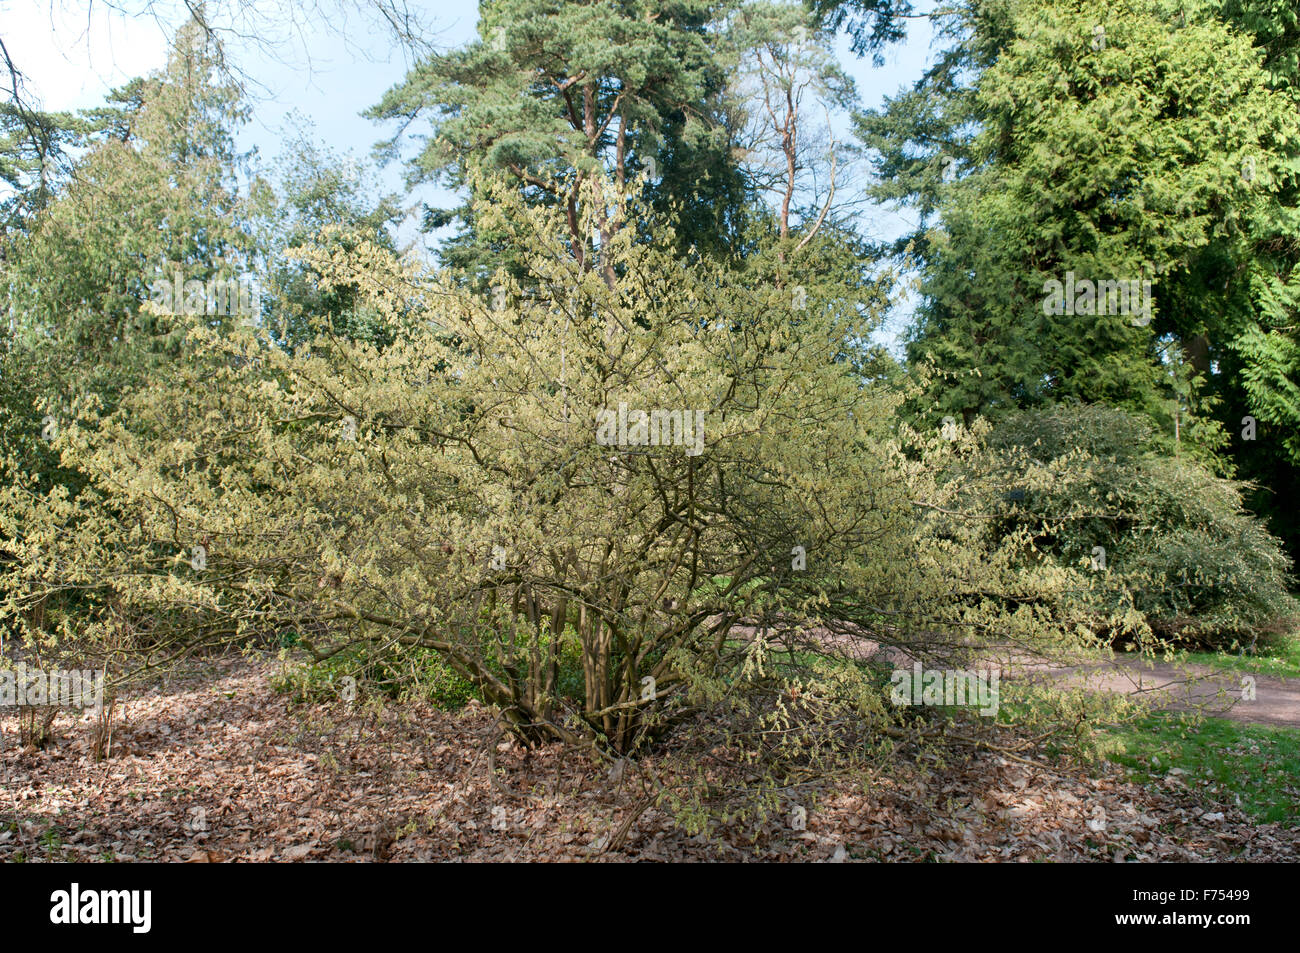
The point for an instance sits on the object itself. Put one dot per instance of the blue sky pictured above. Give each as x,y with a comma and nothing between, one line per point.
327,72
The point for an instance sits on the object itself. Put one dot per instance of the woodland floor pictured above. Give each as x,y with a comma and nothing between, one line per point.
217,766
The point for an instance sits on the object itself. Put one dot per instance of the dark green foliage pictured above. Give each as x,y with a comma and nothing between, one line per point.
1175,541
556,93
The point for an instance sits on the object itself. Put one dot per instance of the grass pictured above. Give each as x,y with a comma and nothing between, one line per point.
1254,766
414,672
1281,659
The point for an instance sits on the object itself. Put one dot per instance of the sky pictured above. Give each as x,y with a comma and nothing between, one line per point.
325,69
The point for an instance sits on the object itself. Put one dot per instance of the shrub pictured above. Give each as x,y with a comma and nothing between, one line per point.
465,490
1163,534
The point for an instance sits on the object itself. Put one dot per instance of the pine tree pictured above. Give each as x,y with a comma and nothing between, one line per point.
559,96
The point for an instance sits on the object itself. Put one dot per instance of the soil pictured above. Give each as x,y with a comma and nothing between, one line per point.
217,766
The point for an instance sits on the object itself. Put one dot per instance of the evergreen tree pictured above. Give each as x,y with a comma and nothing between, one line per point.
1064,141
560,96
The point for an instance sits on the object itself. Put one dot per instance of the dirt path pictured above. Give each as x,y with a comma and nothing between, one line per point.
1217,692
1212,691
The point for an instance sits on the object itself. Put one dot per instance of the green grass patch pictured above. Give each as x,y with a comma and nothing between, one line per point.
411,673
1281,658
1253,765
